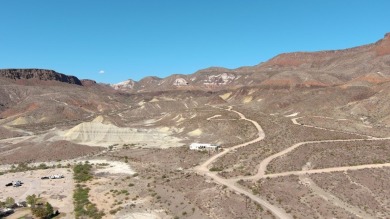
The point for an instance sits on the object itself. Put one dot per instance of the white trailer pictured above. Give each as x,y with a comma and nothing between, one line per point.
202,146
56,176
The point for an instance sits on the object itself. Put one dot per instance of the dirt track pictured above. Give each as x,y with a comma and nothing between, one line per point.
203,170
232,183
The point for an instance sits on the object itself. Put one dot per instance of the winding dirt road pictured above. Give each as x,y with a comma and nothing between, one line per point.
232,184
261,173
203,169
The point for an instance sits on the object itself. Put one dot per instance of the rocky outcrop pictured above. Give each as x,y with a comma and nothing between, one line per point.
125,85
40,74
87,82
220,79
180,82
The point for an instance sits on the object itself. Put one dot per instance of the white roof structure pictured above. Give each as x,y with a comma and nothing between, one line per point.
201,146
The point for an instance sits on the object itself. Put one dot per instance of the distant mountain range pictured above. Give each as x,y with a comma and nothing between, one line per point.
363,64
359,66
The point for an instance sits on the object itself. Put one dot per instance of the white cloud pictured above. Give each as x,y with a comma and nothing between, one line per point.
101,72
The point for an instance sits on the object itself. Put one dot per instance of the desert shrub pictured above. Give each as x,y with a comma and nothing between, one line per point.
82,172
9,202
82,206
20,168
43,211
32,200
216,169
42,166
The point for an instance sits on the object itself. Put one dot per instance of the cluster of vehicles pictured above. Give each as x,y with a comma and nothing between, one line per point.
16,183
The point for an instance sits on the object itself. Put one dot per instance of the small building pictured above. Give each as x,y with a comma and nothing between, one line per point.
202,146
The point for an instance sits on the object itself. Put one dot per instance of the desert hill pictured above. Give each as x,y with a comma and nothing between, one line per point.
351,82
305,132
298,69
348,76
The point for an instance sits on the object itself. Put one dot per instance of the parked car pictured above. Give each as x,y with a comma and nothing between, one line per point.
17,183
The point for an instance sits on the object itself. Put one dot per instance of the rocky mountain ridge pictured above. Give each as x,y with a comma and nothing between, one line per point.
39,74
287,70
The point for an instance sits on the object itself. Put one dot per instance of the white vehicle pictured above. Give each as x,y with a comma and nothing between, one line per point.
201,146
56,176
16,183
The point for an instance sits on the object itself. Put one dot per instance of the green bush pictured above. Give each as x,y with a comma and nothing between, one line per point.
216,169
83,207
82,172
9,202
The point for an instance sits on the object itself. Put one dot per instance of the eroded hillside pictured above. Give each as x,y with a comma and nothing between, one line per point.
302,134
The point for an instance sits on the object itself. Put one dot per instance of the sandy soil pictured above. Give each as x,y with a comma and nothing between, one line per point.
143,215
114,167
56,191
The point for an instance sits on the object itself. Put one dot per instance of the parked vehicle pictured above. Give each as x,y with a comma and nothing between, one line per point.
16,183
56,176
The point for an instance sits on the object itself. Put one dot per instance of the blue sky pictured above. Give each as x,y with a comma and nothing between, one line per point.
111,41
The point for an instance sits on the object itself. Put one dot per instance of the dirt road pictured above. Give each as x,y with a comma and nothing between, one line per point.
203,169
327,196
264,163
232,184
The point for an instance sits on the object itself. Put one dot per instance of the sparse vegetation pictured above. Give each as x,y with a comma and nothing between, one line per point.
83,207
9,202
22,167
45,211
82,172
216,169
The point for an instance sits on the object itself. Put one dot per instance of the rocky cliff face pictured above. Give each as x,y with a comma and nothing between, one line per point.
40,74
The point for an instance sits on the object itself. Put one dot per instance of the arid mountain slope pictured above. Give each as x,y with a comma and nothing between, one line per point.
347,80
57,102
302,134
298,69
